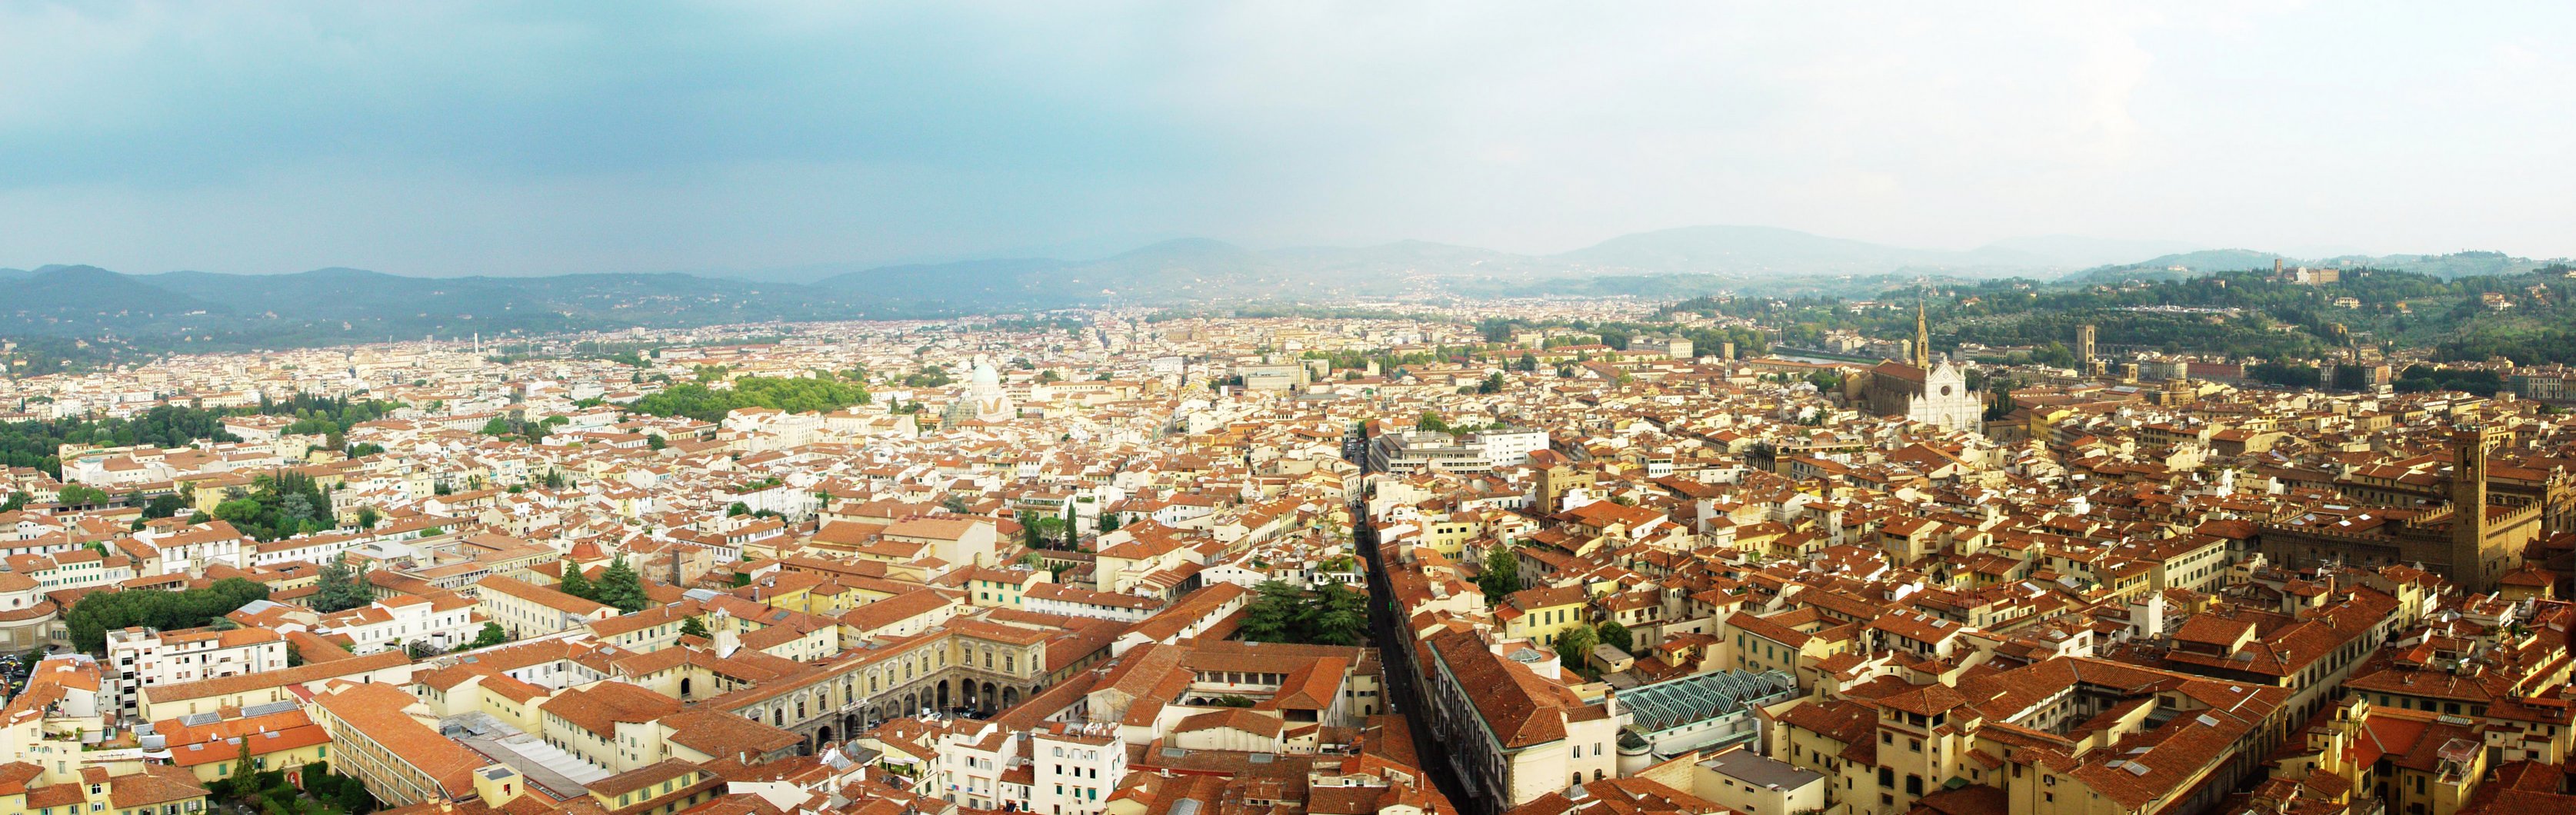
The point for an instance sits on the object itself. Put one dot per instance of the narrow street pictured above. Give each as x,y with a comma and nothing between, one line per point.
1403,687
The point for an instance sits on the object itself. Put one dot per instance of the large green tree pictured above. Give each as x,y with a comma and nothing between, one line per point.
620,586
1501,576
342,587
1340,618
1574,647
1273,613
1618,636
1331,615
164,506
1030,535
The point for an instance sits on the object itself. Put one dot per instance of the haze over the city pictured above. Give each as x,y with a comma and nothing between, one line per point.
437,139
1286,408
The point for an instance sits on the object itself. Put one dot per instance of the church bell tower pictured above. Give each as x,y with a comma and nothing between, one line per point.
1922,338
2469,566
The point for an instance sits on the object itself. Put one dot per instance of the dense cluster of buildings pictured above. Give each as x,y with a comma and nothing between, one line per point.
1020,577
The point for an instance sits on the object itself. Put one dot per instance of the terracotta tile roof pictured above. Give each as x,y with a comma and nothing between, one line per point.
1313,686
642,777
723,735
1247,721
1842,721
377,712
1621,796
1520,707
600,707
887,612
261,743
153,787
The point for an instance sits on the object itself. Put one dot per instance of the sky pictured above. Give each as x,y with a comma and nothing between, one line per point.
542,138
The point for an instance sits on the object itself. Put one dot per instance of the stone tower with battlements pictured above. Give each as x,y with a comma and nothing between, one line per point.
2473,565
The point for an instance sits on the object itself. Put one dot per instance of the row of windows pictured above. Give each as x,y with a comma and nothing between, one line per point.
1080,792
626,799
2452,708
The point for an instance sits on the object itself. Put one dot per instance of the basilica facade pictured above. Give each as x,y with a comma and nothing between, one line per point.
1922,391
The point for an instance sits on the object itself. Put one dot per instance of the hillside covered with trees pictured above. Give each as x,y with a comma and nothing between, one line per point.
2244,313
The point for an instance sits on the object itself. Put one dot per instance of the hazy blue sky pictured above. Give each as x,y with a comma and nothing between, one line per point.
458,138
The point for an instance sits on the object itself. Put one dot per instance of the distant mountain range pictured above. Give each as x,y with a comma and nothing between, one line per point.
327,306
1705,258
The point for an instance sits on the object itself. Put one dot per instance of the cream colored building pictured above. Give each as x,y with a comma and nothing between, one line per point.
1749,783
141,656
1516,731
528,610
158,702
444,622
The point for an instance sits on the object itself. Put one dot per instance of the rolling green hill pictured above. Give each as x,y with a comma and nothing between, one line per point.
2241,313
2193,264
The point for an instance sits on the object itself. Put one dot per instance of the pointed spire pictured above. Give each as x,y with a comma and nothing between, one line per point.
1922,336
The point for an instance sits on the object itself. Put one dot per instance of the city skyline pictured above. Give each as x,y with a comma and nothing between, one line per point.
1144,408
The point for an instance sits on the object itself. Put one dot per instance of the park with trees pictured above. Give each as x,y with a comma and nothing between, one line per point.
793,395
100,612
1332,614
278,506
